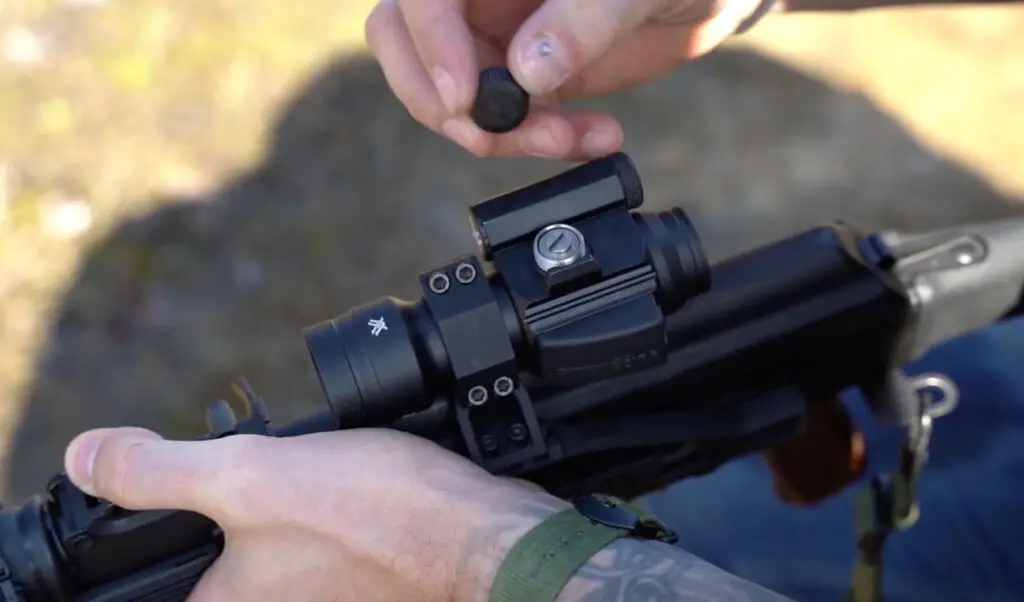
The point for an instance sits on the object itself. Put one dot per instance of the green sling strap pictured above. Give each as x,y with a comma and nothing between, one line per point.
882,507
544,560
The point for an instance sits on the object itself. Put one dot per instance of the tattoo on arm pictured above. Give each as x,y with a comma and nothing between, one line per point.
631,570
628,570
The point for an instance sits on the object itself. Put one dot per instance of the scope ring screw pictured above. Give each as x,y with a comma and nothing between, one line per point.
517,432
439,283
503,386
489,444
465,273
477,396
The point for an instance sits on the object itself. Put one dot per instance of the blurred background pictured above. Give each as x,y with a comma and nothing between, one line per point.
185,185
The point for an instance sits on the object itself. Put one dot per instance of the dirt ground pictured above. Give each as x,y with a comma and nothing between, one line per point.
184,186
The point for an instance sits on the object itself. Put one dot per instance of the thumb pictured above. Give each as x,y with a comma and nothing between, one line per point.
565,36
139,470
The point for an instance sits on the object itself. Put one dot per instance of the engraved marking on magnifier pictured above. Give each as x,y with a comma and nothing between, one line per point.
377,326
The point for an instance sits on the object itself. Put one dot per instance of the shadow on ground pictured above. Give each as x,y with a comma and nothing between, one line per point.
354,199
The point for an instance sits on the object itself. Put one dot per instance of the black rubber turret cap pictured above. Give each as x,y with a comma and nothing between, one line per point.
501,104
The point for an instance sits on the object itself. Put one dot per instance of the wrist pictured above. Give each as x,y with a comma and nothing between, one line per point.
507,514
624,568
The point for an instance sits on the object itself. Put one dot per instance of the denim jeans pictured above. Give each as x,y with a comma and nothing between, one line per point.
967,544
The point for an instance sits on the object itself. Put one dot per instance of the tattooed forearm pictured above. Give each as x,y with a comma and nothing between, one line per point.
628,570
632,570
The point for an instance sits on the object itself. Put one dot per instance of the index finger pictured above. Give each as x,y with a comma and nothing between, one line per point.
445,46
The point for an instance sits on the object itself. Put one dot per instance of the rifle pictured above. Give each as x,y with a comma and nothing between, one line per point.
590,347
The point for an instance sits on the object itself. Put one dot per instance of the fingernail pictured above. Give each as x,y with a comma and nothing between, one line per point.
447,89
600,141
82,457
539,142
544,65
464,133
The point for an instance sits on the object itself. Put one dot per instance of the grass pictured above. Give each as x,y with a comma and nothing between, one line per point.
124,102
